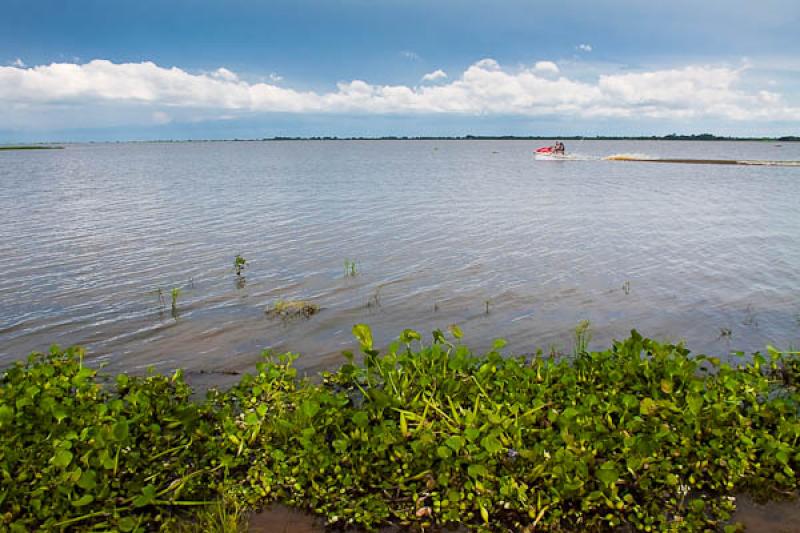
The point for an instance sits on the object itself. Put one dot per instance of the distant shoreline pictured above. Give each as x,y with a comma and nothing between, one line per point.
671,137
30,147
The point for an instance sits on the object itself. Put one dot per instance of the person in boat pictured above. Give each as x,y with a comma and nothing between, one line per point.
558,148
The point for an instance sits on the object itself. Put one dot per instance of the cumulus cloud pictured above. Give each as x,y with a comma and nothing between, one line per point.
434,76
584,47
546,66
103,88
18,63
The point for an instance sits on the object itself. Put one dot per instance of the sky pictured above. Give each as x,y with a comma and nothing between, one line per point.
204,69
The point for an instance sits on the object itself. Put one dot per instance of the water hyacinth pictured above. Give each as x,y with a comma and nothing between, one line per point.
641,436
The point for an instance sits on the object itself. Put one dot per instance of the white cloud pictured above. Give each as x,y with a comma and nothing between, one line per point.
18,63
408,54
100,90
584,47
546,66
225,75
436,75
275,78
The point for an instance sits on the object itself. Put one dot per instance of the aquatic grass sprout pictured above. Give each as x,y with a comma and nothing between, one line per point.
350,268
641,436
176,292
239,264
583,334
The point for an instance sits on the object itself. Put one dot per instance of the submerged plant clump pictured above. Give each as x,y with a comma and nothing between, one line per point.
641,436
293,309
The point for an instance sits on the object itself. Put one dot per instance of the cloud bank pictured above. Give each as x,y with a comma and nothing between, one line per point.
484,88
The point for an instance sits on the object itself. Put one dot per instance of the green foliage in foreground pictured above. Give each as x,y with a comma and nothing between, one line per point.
640,436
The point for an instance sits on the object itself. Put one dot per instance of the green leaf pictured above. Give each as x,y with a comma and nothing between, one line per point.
251,419
472,434
476,471
360,419
648,406
86,499
6,415
455,331
409,335
444,452
608,474
455,442
62,458
59,413
491,444
146,497
310,408
87,480
695,403
499,344
126,524
120,430
364,335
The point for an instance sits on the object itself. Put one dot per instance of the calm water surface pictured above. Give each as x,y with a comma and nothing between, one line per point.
680,252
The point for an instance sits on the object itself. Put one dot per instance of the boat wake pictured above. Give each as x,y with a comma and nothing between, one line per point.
644,158
564,157
629,157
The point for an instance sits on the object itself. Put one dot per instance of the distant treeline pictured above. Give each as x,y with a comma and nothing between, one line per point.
30,147
670,137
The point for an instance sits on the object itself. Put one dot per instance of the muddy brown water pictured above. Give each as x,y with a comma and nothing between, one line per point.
772,517
701,253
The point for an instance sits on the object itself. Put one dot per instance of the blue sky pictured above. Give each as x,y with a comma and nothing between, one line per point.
357,68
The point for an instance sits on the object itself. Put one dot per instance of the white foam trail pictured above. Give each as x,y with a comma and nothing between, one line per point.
629,156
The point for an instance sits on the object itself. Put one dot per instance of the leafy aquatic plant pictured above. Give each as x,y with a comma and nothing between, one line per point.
239,264
642,436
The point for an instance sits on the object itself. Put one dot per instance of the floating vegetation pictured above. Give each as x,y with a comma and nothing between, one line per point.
239,264
350,268
293,309
725,333
642,436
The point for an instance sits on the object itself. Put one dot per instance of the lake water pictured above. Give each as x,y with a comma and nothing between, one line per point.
701,253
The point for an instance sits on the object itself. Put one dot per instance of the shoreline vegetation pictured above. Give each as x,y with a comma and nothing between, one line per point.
426,434
30,147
